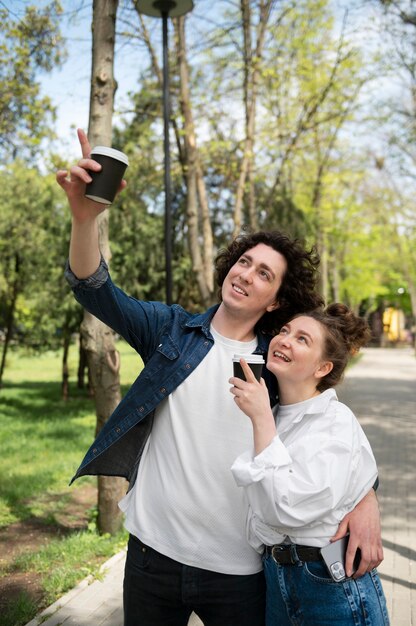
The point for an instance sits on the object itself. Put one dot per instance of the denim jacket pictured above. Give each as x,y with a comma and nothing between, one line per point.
171,342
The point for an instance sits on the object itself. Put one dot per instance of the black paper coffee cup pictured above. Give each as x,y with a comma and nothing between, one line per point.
254,361
105,183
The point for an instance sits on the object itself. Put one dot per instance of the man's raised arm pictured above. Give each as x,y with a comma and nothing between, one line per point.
84,252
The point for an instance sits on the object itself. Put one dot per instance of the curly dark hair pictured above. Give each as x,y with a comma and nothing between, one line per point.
344,333
297,293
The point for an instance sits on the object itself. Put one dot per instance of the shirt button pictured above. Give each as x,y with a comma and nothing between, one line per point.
94,451
188,366
162,390
141,409
118,430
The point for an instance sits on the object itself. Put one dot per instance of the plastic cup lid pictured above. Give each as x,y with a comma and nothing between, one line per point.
111,152
250,358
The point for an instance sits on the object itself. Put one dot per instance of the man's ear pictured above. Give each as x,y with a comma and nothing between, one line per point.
272,307
323,369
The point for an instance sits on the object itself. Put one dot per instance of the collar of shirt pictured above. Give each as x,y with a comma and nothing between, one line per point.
203,321
289,414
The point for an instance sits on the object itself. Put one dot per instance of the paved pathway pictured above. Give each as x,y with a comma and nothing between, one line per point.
381,390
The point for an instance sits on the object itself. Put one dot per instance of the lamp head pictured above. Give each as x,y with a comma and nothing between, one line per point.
172,8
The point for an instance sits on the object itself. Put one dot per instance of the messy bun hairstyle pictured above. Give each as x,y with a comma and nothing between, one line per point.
345,334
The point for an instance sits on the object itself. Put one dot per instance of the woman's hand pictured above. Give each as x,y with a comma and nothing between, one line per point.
252,397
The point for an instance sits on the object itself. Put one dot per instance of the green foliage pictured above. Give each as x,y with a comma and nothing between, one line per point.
28,45
137,216
309,173
45,434
42,439
308,176
34,237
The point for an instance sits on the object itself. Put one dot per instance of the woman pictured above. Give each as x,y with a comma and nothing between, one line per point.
310,466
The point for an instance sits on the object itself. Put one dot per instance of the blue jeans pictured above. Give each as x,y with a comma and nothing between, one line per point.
305,595
159,591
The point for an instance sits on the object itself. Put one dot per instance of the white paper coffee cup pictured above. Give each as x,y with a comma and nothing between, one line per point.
105,183
254,361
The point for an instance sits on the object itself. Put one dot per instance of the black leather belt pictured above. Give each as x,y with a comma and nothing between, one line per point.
292,553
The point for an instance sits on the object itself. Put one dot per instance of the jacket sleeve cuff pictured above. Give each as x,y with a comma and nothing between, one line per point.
95,281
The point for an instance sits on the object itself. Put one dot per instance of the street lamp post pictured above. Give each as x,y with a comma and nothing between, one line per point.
165,9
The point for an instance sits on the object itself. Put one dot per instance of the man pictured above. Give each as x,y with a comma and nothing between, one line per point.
187,548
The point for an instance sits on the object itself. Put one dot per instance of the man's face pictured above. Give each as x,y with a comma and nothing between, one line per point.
251,285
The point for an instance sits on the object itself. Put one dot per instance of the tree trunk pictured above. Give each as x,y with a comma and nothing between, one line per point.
98,339
323,268
65,368
200,238
104,366
412,292
252,205
336,291
250,125
320,236
197,205
82,365
251,85
10,319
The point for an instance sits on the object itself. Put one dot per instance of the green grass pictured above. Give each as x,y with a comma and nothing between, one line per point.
42,441
62,563
20,612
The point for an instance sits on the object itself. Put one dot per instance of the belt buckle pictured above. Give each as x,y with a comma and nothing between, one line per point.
290,549
279,549
294,559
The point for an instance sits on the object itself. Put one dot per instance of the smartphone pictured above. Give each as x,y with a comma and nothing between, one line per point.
334,558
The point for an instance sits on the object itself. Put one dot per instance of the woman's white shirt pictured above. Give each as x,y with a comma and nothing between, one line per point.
316,469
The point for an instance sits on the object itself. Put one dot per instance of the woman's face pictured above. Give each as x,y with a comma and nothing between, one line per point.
296,353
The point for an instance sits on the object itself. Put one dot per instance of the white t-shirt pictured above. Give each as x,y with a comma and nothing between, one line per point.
314,472
185,503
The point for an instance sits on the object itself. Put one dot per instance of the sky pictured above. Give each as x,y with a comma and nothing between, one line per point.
69,86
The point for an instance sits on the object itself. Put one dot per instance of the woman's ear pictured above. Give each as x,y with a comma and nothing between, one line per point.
324,369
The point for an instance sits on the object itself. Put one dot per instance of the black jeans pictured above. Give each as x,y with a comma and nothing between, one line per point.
159,591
